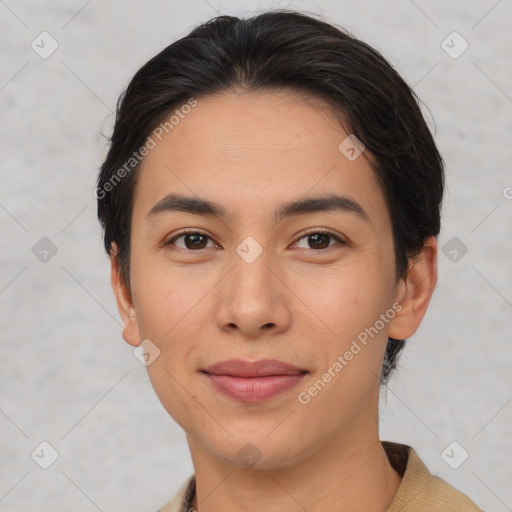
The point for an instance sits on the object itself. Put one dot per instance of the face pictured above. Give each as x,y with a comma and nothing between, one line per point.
246,283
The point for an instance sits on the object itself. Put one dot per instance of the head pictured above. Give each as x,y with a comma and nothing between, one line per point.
246,118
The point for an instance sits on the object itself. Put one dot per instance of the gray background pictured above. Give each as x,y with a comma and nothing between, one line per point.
66,375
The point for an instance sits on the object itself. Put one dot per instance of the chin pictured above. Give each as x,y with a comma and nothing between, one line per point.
255,452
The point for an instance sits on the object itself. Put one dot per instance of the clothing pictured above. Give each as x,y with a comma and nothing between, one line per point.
419,490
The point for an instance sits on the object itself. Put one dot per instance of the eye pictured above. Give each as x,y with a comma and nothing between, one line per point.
196,240
320,239
193,240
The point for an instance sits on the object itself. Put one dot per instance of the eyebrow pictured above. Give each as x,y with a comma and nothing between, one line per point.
331,203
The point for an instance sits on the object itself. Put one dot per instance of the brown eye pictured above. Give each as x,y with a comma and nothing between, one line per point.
320,240
193,240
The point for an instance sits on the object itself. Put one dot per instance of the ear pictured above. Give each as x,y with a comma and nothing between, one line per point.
414,292
124,301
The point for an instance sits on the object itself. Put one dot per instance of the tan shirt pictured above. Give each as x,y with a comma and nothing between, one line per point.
419,490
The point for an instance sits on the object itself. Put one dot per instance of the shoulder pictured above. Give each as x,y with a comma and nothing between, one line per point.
420,491
181,499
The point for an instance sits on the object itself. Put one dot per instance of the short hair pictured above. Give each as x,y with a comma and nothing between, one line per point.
283,50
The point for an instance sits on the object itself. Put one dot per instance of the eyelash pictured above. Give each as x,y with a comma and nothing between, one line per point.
309,233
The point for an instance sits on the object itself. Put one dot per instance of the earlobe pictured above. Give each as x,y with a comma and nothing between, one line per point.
414,292
124,301
131,332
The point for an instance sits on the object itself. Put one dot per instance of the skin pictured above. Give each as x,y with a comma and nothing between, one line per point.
296,302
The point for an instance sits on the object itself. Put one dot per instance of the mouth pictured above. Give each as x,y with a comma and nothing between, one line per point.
252,382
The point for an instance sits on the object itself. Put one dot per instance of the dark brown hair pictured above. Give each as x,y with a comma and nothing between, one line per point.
284,49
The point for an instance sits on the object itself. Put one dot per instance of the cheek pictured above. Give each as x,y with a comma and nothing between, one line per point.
164,299
180,400
350,303
170,312
347,299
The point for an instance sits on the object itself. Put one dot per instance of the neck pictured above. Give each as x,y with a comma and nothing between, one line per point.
349,475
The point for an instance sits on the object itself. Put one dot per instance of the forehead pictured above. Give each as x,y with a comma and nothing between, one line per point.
255,151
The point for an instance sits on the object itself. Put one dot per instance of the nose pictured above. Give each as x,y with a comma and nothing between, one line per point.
253,298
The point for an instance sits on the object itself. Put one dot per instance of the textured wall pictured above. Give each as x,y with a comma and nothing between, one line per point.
66,375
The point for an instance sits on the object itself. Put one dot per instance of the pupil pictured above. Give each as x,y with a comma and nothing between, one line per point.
196,237
320,235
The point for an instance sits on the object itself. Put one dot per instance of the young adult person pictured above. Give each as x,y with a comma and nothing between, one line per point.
270,203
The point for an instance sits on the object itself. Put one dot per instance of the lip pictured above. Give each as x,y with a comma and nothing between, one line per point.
253,381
